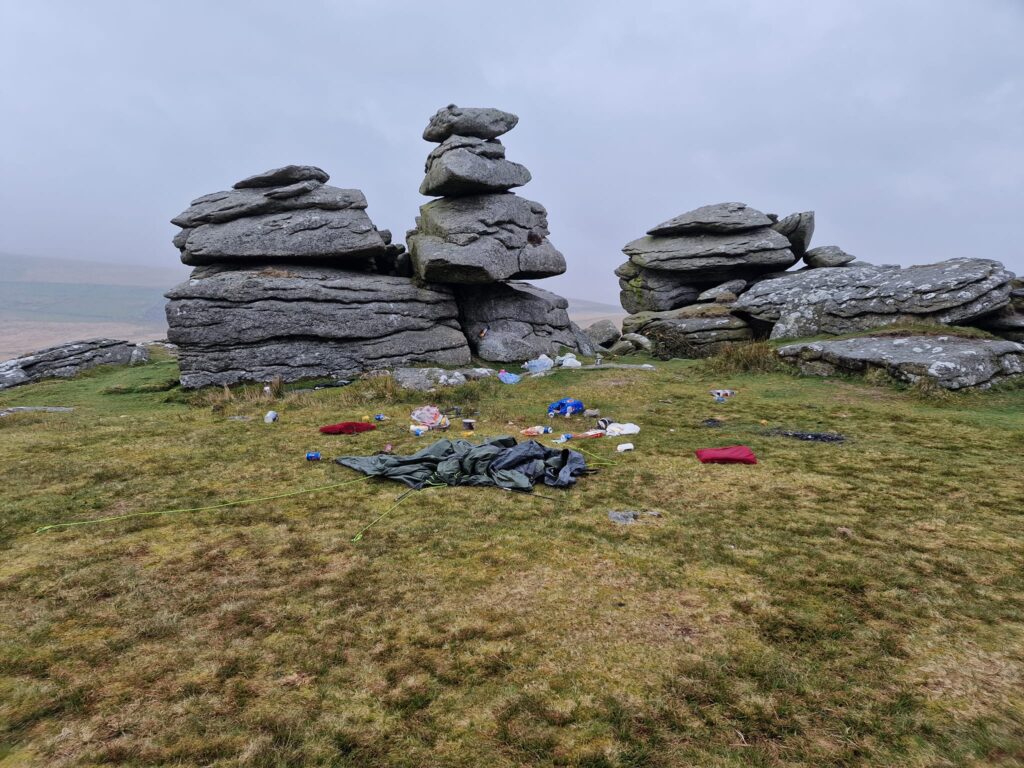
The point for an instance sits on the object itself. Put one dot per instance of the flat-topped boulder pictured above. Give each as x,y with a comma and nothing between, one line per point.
479,122
603,333
470,169
952,362
721,217
506,322
713,257
827,256
280,177
299,321
67,360
849,299
482,239
219,207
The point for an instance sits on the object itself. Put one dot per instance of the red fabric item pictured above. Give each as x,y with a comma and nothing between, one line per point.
733,454
347,428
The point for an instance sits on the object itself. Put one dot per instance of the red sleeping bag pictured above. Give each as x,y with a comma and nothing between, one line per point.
733,454
347,428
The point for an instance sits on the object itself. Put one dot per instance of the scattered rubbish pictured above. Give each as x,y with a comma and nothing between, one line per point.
499,462
312,455
469,424
603,423
271,417
567,406
564,438
592,413
417,430
537,430
713,423
347,428
568,360
430,417
509,378
468,433
623,447
817,437
388,448
266,389
380,417
617,430
35,409
539,364
597,360
721,395
732,454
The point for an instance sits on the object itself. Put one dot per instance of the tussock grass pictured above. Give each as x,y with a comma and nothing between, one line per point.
853,604
750,357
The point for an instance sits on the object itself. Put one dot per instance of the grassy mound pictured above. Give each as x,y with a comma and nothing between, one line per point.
836,604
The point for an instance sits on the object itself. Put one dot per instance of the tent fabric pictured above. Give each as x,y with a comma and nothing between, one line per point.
499,462
733,454
347,428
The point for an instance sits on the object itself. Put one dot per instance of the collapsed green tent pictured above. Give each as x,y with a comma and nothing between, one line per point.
499,462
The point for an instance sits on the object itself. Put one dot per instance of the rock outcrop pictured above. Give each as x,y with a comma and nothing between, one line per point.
952,362
67,360
844,300
479,236
798,229
261,321
827,256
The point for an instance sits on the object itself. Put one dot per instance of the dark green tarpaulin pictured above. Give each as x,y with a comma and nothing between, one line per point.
499,462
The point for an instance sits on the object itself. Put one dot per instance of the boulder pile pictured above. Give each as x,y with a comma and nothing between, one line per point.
716,275
292,279
480,238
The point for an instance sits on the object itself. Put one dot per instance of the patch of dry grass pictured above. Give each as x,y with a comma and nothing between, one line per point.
853,604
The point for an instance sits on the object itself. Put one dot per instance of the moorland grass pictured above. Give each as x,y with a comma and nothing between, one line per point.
836,604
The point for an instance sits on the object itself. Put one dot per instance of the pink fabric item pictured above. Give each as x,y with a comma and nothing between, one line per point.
347,428
733,454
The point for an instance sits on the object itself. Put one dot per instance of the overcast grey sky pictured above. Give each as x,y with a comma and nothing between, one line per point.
900,122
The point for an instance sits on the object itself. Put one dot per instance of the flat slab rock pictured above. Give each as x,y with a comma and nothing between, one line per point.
469,170
255,323
480,122
220,207
67,360
279,177
798,228
721,217
651,290
510,322
849,299
713,257
951,362
482,239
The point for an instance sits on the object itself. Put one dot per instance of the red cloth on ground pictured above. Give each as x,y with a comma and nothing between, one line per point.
347,428
733,454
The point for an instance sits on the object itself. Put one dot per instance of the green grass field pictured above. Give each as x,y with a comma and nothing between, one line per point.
835,605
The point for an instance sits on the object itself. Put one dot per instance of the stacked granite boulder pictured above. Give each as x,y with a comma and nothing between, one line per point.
292,279
480,238
716,275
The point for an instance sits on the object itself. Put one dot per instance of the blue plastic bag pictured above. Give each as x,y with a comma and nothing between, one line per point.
567,406
509,378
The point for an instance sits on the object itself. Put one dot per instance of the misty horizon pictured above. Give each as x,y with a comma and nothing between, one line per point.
901,127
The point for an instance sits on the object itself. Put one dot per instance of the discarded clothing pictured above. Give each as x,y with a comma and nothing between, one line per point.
539,364
733,454
430,417
505,377
347,428
567,406
615,429
817,437
499,462
721,395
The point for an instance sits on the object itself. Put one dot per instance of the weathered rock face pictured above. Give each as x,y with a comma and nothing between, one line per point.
284,214
732,289
798,229
480,122
258,322
950,361
468,171
483,239
650,290
517,321
691,337
827,256
844,300
67,360
723,217
713,257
